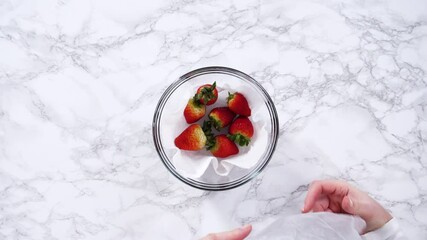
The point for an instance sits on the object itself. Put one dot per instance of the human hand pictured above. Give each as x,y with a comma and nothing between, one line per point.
236,234
340,197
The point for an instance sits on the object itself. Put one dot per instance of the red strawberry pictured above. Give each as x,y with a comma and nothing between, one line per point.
207,94
192,138
241,131
223,147
221,117
194,111
238,104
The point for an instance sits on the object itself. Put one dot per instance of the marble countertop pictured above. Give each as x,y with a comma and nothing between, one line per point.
79,81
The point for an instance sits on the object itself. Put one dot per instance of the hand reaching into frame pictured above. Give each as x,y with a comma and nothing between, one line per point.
340,197
236,234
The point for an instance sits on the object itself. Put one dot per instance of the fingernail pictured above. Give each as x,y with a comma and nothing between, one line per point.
302,209
350,201
245,226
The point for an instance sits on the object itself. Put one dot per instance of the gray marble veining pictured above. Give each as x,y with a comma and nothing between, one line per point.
79,81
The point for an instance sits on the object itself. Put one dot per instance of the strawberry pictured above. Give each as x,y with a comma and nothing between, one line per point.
241,131
207,94
192,138
221,117
238,104
223,147
194,111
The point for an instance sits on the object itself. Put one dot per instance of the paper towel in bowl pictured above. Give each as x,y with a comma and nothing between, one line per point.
194,163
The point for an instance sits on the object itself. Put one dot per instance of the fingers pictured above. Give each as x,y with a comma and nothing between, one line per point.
318,208
236,234
321,204
326,187
342,197
347,205
314,192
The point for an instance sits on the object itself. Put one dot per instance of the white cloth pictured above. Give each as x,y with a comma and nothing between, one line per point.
330,226
390,231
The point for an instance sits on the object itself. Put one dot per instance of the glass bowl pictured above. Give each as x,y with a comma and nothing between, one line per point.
175,98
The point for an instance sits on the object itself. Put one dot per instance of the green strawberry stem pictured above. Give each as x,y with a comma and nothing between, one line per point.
230,96
196,100
210,138
213,86
239,139
215,123
206,94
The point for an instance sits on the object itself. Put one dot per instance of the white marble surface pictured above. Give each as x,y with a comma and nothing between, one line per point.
79,81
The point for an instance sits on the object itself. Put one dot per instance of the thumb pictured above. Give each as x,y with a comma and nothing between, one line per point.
350,206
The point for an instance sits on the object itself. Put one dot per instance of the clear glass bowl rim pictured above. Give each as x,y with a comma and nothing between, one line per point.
260,165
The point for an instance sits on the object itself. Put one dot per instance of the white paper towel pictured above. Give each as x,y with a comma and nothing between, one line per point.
313,226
